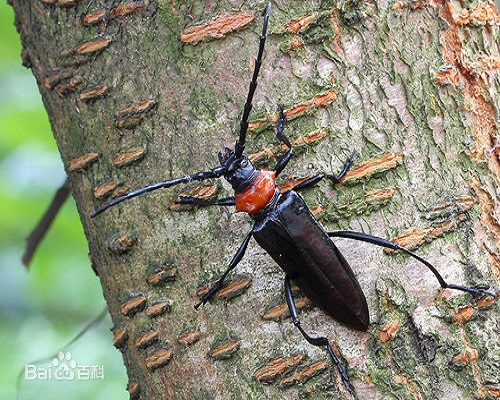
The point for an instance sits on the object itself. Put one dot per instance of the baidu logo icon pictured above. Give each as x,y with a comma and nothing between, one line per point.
63,368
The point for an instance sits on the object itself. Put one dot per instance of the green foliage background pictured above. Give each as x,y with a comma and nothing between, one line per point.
43,308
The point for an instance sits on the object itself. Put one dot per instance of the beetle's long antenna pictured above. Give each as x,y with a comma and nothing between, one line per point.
199,176
240,143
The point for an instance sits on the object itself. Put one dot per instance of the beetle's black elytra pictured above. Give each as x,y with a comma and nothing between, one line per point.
286,229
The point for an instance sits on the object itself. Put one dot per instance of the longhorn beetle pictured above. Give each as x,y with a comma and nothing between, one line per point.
285,228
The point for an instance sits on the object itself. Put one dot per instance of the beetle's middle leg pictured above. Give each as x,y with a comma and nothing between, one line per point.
234,262
316,341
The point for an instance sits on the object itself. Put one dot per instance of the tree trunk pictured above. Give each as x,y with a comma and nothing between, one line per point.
142,91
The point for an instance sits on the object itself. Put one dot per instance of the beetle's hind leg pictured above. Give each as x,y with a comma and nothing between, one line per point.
316,341
394,246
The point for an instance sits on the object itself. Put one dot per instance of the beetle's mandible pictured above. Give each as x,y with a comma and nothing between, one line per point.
285,228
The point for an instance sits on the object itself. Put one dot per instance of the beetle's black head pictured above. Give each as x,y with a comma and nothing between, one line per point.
239,171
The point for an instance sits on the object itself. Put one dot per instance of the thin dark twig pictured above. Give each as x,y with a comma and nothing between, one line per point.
37,234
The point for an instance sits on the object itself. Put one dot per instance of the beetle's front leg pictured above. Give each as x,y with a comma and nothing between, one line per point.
316,341
347,166
234,262
333,178
280,134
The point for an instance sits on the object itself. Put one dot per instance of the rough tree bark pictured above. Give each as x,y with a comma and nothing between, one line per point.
141,91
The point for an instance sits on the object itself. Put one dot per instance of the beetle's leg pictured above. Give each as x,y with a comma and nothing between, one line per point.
309,182
394,246
234,262
283,161
333,178
316,341
226,201
347,165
